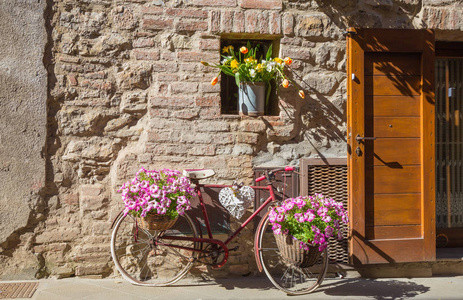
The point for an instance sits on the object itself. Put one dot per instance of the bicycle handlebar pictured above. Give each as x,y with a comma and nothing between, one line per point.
274,171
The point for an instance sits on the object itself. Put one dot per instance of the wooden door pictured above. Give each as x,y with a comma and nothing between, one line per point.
391,145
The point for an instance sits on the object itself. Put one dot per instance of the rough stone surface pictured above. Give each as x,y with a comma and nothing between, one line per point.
126,90
23,96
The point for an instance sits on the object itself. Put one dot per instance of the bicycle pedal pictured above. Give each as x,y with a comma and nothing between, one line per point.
234,249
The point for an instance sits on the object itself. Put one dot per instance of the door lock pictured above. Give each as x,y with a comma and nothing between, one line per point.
358,151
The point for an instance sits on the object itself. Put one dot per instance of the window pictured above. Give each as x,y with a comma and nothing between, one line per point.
228,88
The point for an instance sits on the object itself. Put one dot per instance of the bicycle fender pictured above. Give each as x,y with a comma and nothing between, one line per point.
256,241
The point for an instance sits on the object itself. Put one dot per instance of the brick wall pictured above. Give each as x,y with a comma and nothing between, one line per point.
126,90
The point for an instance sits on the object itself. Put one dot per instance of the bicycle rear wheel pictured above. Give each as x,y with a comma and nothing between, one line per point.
142,261
288,277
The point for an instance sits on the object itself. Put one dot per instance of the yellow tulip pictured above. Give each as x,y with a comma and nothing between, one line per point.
234,64
278,60
227,49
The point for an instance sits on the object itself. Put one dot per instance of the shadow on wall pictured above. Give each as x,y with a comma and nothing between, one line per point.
370,14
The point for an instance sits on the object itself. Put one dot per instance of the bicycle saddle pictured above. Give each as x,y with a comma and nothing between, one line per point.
198,173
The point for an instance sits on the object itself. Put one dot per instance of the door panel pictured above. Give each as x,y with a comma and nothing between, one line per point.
384,152
391,186
387,127
400,106
391,180
393,232
392,63
393,210
392,85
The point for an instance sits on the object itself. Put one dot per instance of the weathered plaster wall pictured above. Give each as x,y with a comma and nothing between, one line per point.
127,90
23,95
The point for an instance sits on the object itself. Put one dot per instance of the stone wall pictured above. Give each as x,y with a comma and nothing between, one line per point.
126,90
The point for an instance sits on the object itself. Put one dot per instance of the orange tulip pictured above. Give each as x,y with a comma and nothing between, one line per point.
214,81
301,94
244,50
288,61
285,83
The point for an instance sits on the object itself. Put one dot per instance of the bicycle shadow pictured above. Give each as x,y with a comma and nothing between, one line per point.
260,282
373,288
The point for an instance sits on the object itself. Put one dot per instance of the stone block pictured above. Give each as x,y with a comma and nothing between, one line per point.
92,197
143,43
146,54
227,3
259,4
214,21
133,101
71,199
187,13
157,23
183,87
92,269
443,18
56,236
202,150
209,44
251,21
274,23
193,56
187,114
207,101
189,25
226,21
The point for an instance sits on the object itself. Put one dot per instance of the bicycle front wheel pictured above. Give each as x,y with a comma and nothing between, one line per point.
141,259
286,276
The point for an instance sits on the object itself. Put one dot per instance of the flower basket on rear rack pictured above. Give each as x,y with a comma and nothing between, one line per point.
157,198
303,225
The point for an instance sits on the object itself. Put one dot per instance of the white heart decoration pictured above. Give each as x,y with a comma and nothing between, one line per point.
236,201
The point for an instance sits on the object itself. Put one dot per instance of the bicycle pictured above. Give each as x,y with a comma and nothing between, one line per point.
160,258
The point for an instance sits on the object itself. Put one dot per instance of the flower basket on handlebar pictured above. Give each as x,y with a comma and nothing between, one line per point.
153,221
291,251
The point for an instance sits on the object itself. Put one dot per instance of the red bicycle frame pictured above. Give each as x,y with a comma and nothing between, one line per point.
210,239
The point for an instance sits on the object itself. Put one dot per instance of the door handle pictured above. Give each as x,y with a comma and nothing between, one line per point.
359,138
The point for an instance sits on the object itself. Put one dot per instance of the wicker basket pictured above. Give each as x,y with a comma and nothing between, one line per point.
157,222
292,253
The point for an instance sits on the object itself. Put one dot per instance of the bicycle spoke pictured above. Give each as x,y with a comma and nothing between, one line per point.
142,262
285,275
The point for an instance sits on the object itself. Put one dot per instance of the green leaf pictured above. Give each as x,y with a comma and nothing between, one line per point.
269,53
237,79
269,89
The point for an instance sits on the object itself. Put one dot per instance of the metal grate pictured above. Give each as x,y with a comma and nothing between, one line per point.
449,143
17,290
328,177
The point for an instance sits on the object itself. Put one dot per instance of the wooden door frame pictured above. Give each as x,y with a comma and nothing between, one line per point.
363,249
